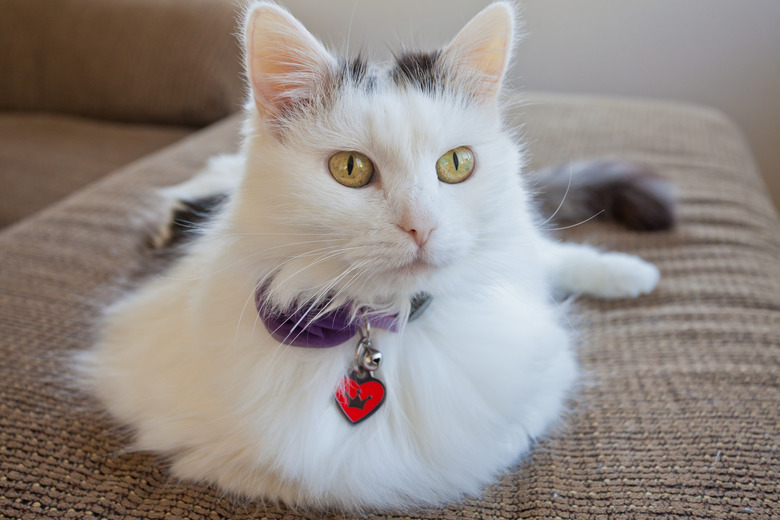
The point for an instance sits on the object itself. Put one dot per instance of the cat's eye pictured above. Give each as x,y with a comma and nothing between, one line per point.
352,169
456,165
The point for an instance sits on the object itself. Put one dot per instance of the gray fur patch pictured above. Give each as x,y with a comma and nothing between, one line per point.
419,69
355,71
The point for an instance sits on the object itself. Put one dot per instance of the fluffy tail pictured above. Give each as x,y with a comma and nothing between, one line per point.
629,193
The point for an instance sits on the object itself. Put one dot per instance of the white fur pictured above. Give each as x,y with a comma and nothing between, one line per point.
482,373
581,269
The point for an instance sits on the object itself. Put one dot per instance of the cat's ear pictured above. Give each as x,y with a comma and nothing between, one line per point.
285,63
481,50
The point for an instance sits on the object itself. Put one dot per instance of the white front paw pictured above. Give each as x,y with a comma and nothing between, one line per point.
618,275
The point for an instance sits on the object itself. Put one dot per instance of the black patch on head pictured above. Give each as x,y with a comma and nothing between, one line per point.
355,71
420,69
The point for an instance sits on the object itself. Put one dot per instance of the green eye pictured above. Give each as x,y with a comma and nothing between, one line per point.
455,166
352,169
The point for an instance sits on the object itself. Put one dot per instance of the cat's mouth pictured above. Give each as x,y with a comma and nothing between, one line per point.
421,264
408,266
417,266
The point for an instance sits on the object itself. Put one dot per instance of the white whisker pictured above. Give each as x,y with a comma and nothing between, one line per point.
578,223
563,199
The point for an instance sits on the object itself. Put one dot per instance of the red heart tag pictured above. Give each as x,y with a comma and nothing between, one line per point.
358,397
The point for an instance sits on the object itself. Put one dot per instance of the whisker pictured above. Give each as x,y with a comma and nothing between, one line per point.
326,257
239,260
322,293
327,252
563,199
269,234
578,223
327,287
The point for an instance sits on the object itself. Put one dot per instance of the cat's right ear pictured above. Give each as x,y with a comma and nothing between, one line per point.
285,63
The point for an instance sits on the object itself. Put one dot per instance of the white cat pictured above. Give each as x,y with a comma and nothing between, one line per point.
358,189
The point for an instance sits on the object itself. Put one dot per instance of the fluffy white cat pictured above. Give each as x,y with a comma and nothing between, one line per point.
358,187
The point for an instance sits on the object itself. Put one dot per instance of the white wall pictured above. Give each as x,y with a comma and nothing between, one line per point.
723,53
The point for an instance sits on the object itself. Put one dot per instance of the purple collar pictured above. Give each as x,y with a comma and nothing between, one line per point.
333,328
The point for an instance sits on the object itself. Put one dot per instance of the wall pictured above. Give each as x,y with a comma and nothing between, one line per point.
723,53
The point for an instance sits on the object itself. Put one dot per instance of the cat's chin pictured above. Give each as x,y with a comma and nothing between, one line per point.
412,276
414,265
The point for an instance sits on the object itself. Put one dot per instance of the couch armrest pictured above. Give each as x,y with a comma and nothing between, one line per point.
152,61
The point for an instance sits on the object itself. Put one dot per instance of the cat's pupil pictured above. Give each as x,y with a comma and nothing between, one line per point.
350,165
455,160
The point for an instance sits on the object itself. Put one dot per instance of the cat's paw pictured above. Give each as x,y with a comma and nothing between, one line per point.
618,275
582,269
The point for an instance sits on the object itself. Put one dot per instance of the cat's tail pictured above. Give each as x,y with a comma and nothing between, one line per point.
629,193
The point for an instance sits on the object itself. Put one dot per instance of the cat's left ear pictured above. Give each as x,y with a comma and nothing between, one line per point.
480,52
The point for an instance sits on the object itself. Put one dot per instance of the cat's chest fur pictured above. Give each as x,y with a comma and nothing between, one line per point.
469,384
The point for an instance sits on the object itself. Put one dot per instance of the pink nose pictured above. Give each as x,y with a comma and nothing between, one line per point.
420,229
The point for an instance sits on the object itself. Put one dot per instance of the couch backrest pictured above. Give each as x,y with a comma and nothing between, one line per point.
153,61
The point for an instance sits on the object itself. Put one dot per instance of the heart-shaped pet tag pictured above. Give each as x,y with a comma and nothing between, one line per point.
359,397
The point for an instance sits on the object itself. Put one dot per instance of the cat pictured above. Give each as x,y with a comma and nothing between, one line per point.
364,195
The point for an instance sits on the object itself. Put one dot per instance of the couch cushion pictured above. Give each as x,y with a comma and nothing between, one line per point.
677,416
46,157
151,61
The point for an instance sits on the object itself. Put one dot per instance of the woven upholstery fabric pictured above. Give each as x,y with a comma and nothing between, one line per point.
677,416
45,157
151,61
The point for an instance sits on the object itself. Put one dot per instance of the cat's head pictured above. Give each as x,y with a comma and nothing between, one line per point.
376,180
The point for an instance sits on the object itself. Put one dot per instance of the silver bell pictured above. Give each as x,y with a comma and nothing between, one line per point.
371,359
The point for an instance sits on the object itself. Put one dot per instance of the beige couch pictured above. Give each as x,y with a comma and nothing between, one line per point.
678,414
89,85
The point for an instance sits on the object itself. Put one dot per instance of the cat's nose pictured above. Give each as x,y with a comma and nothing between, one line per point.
420,228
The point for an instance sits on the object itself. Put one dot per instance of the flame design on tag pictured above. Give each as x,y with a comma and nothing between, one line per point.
359,398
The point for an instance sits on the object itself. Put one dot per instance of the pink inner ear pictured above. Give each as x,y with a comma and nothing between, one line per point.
483,46
285,62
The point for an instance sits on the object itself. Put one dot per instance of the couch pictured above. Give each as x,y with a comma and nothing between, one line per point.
99,84
678,415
